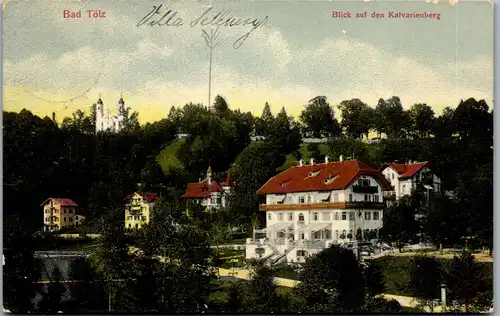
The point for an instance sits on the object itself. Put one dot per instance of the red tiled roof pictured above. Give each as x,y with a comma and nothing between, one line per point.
148,197
228,182
61,202
201,189
407,170
312,178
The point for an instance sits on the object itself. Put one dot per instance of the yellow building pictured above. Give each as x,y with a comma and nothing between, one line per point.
139,209
59,213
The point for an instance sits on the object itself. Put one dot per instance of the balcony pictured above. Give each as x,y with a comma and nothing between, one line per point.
364,204
365,189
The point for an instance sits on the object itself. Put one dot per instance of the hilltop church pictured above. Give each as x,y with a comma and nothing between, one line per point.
105,121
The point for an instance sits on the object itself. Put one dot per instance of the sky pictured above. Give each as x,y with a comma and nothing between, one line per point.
296,51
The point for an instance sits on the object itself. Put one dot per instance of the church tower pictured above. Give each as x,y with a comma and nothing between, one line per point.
121,113
99,115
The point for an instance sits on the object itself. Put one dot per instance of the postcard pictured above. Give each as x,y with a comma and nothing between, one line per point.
247,156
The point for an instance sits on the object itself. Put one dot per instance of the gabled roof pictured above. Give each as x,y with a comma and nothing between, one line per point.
406,171
201,189
320,177
148,197
61,202
228,182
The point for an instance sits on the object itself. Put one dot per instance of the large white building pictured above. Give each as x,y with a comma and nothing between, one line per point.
405,178
107,122
310,207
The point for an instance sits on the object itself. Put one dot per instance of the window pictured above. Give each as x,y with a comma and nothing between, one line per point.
65,219
76,217
326,216
335,197
344,216
309,199
213,200
376,216
336,234
336,216
136,225
290,216
64,211
301,217
280,216
375,198
366,198
302,236
393,176
46,211
301,253
315,216
129,225
46,219
70,211
350,197
302,200
71,219
368,216
351,216
269,217
404,188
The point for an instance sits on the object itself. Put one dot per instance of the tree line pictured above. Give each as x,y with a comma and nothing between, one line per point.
45,159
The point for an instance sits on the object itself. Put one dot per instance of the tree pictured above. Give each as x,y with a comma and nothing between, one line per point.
444,125
390,117
332,281
283,135
319,118
88,294
468,284
422,120
444,220
425,279
473,120
357,118
251,169
220,106
79,122
21,269
399,222
261,292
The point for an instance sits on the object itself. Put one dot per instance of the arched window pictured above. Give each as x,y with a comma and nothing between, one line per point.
301,217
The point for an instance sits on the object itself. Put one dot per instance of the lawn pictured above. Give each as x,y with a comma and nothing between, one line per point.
291,160
397,278
167,158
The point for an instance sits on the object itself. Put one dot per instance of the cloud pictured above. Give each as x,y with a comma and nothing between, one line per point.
162,67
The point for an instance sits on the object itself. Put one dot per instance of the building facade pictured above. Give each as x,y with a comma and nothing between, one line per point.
107,122
310,207
405,178
139,209
60,213
208,193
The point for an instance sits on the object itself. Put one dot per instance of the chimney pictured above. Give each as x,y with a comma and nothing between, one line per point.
326,159
301,162
54,117
312,161
341,158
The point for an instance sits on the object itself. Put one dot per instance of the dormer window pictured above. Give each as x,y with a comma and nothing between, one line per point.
314,173
330,180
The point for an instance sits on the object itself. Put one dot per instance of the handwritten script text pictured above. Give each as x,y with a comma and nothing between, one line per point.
160,16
